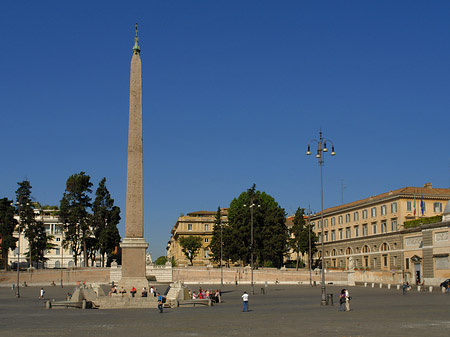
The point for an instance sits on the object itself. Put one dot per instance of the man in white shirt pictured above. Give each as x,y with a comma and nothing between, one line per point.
245,301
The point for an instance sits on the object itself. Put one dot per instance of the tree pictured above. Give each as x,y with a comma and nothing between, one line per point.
190,245
297,241
269,229
74,214
161,261
38,240
7,226
106,217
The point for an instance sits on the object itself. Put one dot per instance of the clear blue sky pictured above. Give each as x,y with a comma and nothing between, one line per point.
233,92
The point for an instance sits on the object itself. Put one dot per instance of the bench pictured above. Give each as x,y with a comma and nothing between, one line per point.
205,301
68,304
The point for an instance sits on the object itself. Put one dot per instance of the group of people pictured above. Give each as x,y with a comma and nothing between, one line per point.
213,295
133,291
344,300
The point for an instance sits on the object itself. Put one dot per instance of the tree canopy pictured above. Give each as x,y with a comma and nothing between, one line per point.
269,229
190,245
7,226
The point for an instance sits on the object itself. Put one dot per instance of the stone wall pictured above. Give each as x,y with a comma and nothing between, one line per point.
44,277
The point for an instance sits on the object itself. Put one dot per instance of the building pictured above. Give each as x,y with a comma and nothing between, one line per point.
200,224
58,257
370,234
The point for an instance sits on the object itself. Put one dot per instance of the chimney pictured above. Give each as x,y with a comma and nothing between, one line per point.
428,185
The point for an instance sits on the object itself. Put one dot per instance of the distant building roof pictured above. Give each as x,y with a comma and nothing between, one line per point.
409,192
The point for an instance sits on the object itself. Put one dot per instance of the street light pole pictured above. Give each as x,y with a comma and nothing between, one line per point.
252,204
321,148
221,253
309,239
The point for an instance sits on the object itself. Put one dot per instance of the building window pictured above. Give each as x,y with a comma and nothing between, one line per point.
356,231
407,263
326,223
58,239
383,227
394,225
366,261
356,216
347,233
206,253
394,207
374,228
373,212
385,260
394,261
333,221
364,214
333,235
206,227
206,240
326,236
365,230
189,227
409,206
347,218
340,234
437,207
319,237
319,224
57,251
374,262
340,220
383,210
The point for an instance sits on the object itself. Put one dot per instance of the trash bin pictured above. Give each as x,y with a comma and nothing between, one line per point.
330,299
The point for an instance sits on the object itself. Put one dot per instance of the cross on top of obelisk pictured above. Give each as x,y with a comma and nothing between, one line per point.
136,48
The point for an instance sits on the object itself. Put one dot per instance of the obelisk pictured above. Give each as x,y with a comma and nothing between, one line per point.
133,245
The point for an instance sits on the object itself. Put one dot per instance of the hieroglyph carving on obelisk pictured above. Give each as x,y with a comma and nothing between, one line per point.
133,245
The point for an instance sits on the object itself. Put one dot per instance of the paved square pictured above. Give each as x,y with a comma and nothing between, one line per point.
282,311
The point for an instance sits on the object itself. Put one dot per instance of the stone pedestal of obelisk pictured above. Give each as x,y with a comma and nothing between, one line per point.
133,245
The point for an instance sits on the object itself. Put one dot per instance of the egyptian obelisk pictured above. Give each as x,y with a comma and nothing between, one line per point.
133,245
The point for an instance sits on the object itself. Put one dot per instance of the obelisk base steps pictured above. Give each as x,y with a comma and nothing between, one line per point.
133,264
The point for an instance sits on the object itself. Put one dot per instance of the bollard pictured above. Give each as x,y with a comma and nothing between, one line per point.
265,284
443,290
398,286
365,284
418,288
330,299
381,285
373,285
389,286
431,289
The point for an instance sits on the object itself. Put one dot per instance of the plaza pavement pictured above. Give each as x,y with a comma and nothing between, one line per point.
285,310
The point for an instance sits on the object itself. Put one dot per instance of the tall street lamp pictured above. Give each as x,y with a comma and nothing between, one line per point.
309,240
19,229
221,252
251,206
321,148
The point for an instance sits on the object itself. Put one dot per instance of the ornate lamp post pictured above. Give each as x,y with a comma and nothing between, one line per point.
321,148
251,206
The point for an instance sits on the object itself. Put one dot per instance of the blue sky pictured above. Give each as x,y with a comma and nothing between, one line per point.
232,93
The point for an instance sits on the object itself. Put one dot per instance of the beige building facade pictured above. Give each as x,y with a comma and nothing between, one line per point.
199,224
369,234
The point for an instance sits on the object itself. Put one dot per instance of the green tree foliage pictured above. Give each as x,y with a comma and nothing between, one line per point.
105,219
269,229
38,240
160,261
7,226
74,214
190,245
296,240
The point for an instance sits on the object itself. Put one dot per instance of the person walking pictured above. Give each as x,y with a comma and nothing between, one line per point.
347,300
41,294
342,300
160,303
245,301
